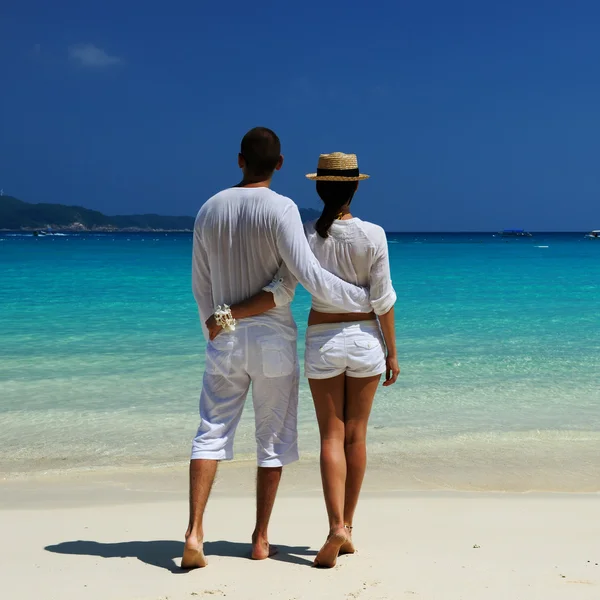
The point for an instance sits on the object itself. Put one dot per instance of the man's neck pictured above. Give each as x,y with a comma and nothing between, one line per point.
249,182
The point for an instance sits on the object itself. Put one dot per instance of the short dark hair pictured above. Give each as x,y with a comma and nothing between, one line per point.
261,150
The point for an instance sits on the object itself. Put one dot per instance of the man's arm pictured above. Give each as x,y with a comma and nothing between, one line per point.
282,287
303,265
201,282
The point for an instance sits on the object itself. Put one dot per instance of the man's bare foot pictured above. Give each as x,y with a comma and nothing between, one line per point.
348,547
261,549
327,556
193,554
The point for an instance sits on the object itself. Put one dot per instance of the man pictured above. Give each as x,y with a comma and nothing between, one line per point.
242,236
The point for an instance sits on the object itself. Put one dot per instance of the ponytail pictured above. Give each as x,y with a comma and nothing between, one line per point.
325,221
335,195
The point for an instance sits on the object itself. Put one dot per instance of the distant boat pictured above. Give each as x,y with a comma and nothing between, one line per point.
514,233
594,235
45,232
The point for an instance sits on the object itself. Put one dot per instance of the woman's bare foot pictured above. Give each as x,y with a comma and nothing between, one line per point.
261,549
348,546
193,554
327,556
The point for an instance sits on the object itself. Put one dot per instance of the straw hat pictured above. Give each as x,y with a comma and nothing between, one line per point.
337,167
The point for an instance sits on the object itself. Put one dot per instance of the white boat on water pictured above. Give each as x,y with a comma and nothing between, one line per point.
594,235
48,231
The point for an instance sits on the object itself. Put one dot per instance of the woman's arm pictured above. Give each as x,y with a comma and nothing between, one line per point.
258,304
387,323
279,292
383,298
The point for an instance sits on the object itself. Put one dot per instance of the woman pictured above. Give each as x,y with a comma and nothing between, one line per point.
345,354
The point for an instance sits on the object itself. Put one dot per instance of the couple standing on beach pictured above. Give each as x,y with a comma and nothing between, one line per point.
250,251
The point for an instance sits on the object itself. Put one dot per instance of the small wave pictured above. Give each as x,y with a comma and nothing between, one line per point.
542,246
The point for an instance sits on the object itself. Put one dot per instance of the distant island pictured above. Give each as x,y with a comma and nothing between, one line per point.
16,215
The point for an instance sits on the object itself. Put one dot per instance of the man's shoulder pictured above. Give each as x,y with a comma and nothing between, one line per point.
213,206
266,195
216,199
279,199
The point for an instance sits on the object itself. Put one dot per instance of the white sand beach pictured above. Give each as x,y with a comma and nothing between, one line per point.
107,536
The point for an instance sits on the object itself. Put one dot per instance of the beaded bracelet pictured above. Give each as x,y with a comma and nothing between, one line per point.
224,318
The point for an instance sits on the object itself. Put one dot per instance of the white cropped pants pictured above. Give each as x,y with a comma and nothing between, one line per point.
263,358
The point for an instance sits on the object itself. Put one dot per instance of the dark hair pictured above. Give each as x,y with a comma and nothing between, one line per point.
335,195
261,150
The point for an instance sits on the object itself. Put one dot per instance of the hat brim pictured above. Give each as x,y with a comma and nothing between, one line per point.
315,177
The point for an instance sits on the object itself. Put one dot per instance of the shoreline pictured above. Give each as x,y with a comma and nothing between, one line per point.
95,230
135,484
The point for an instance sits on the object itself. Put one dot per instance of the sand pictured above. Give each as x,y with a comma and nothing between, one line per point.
119,536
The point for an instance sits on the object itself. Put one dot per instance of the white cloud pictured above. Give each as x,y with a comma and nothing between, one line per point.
88,55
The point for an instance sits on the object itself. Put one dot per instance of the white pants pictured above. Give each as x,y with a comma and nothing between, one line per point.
354,348
267,359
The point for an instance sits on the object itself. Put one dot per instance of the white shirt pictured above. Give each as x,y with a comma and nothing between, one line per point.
242,236
357,252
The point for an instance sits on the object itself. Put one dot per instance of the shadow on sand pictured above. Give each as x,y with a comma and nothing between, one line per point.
162,553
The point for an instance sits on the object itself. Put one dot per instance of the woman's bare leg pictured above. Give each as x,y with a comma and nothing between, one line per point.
328,396
360,392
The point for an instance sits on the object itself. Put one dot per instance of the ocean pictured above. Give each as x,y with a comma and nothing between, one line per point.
102,355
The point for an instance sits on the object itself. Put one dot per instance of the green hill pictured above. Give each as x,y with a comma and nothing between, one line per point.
16,214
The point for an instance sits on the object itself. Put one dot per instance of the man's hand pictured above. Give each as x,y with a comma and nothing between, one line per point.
213,328
392,370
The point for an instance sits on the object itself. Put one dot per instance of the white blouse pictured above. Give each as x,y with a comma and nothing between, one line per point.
357,252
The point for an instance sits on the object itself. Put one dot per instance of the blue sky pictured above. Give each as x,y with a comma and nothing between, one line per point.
469,115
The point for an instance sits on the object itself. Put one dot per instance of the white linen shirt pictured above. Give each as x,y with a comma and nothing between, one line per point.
242,236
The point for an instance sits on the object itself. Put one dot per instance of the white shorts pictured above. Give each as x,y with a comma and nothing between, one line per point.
355,348
263,357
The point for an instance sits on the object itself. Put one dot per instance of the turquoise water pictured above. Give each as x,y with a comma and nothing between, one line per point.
101,357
